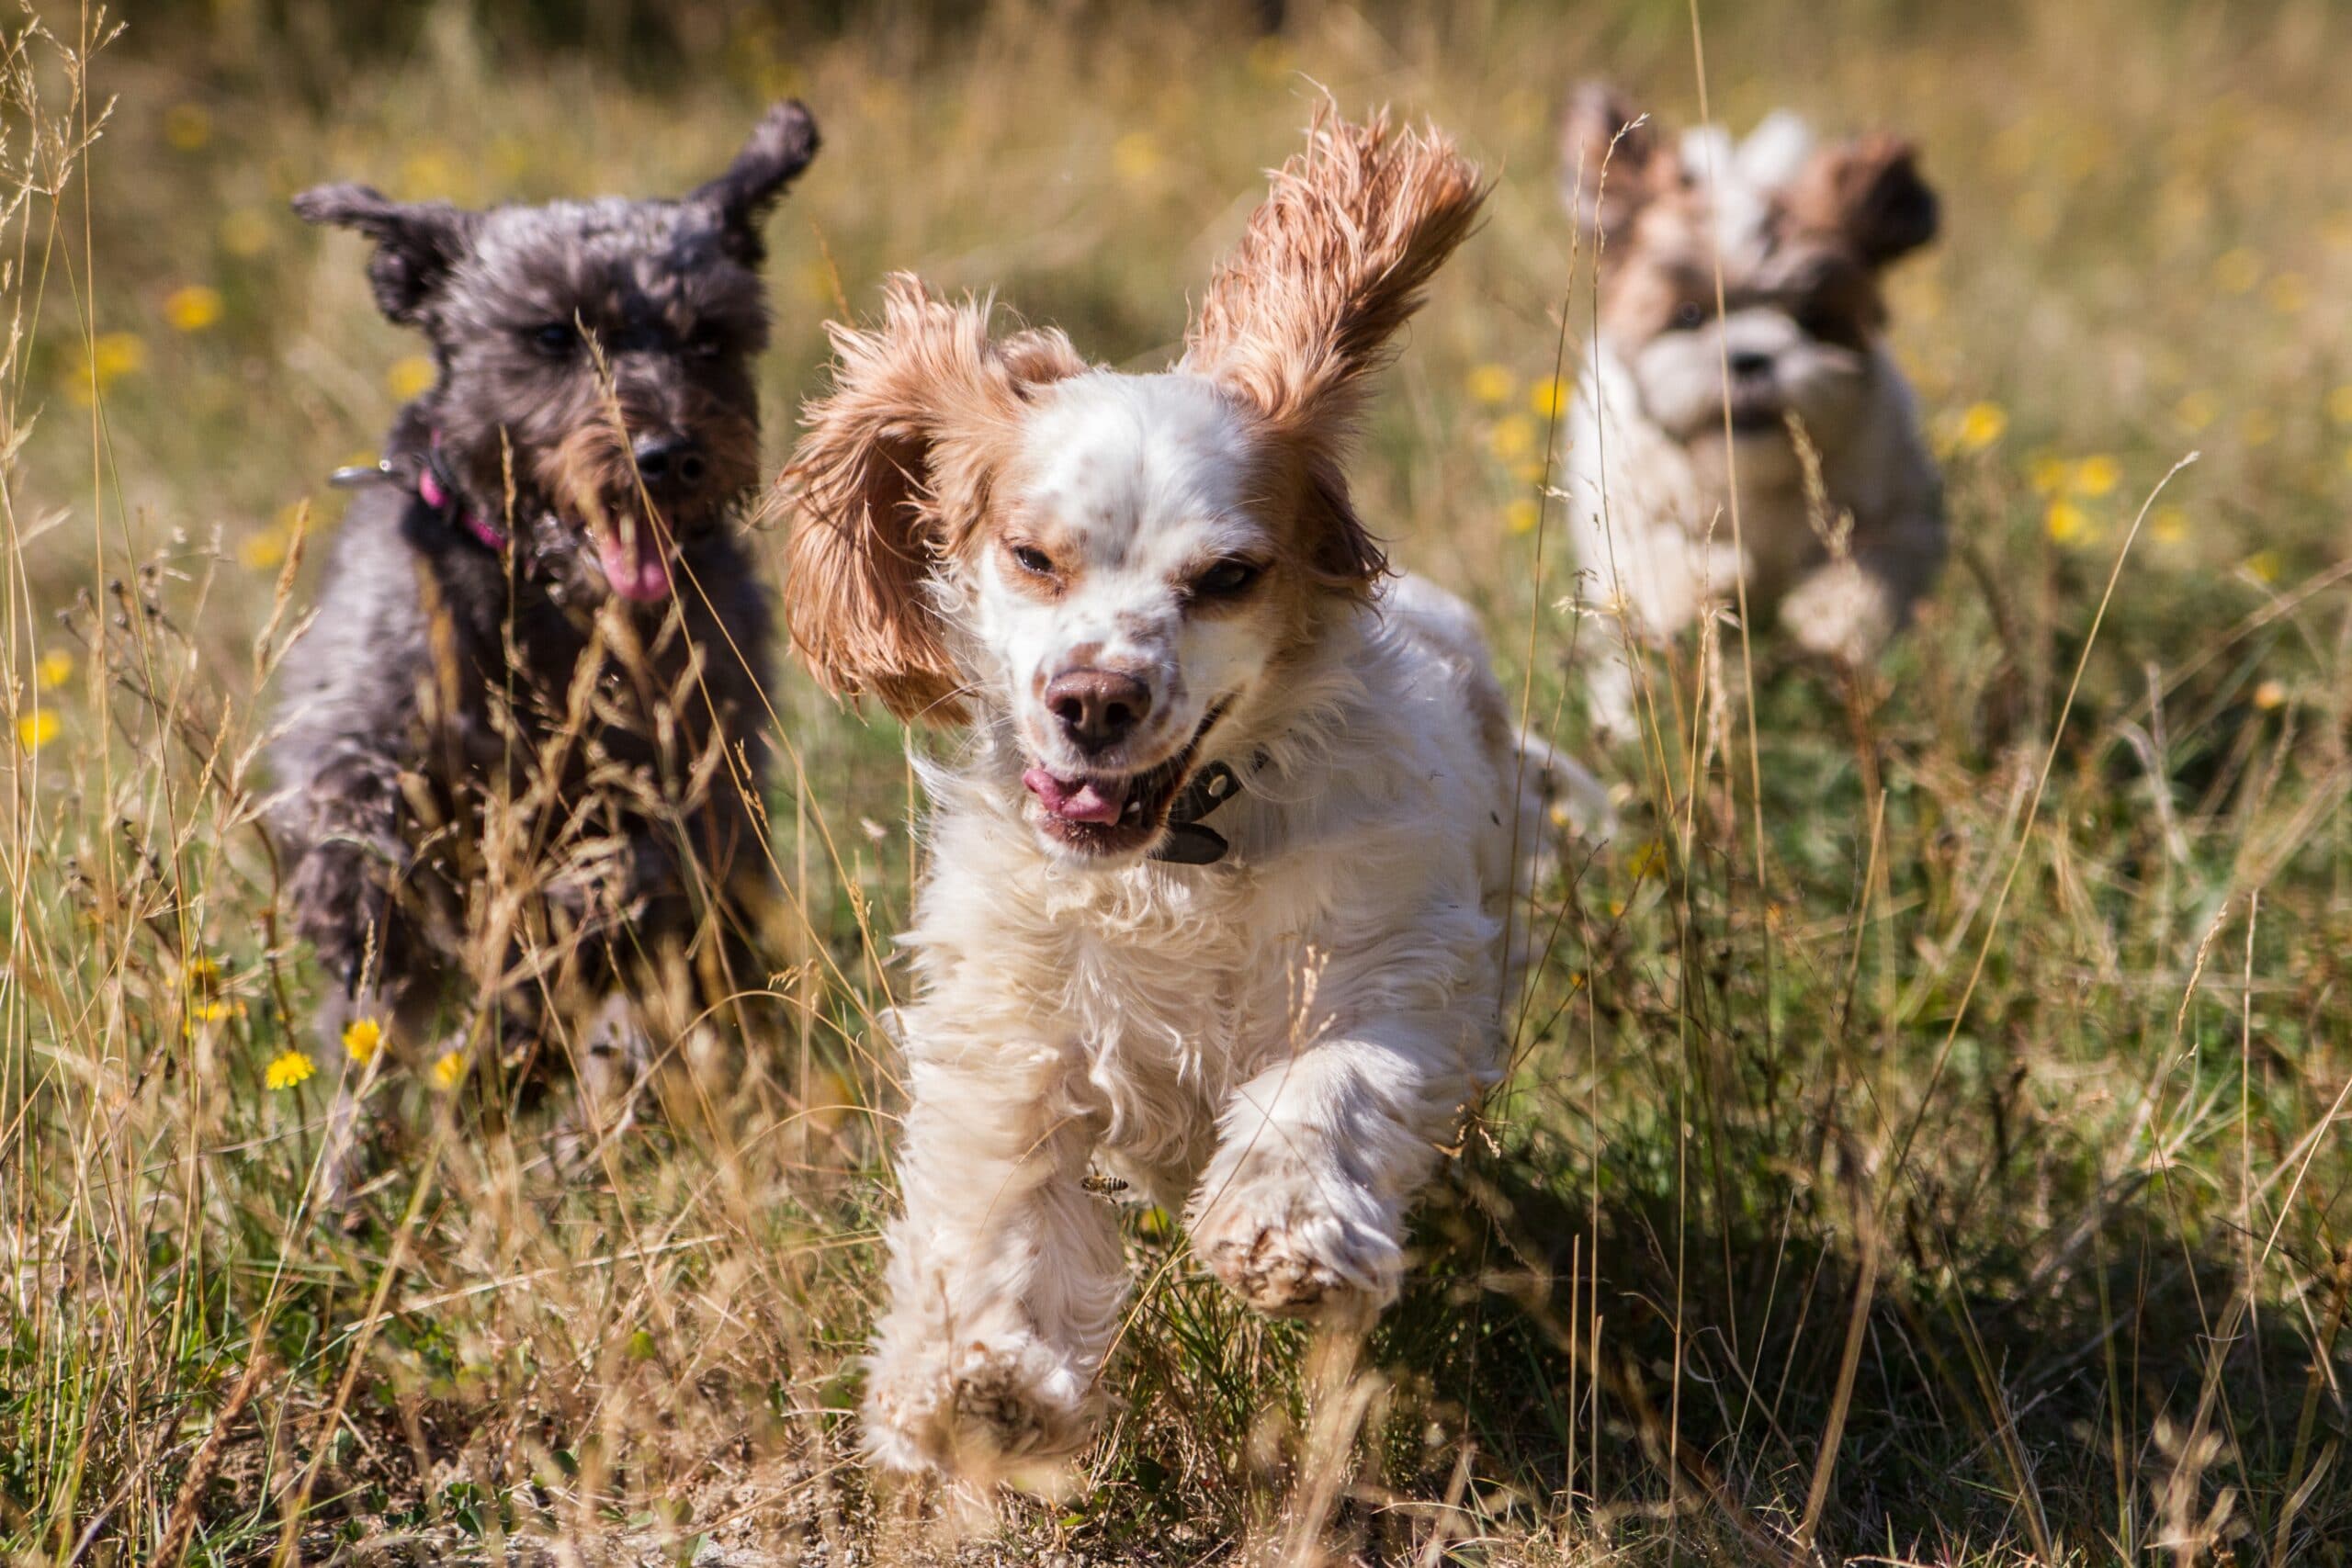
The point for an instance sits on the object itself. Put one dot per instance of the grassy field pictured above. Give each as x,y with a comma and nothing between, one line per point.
1929,1137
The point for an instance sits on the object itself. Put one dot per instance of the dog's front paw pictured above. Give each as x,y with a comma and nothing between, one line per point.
1294,1253
1007,1409
1840,611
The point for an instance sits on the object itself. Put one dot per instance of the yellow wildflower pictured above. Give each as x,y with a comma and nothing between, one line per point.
263,551
1650,860
450,1070
2095,475
108,358
1521,515
36,730
2263,566
2196,410
2049,475
1490,385
2169,525
188,126
1136,156
1512,437
2237,271
2066,522
289,1069
361,1039
2270,695
411,376
56,668
1980,425
192,308
1548,397
245,233
211,1011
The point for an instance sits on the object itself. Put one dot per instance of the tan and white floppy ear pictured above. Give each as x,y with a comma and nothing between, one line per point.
1867,195
1302,313
890,477
1612,159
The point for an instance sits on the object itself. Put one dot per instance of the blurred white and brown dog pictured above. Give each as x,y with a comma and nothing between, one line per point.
1218,886
1687,409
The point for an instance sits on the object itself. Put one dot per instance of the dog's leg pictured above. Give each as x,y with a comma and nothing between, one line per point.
1006,1276
1849,606
1301,1210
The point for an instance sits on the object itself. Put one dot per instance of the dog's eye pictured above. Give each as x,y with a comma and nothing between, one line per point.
1032,560
707,342
555,339
1688,315
1227,580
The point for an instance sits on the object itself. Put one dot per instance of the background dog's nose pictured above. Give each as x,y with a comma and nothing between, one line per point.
1747,364
1098,708
669,460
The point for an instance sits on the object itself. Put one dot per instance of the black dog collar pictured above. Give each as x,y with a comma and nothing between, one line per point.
1187,841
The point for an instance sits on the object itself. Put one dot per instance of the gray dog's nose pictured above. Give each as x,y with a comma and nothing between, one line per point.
1748,365
669,461
1098,708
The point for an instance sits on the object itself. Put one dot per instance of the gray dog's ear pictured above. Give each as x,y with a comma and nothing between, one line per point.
417,243
780,147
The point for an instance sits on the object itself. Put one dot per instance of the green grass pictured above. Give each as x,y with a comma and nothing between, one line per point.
1960,1180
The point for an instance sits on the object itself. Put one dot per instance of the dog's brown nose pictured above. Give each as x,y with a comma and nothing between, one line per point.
1098,708
670,463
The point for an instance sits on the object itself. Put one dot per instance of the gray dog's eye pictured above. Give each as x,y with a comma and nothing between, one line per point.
555,339
1687,316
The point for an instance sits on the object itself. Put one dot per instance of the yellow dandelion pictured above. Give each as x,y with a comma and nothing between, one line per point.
2066,522
2196,410
2095,475
187,127
200,973
1980,425
210,1010
1521,515
2049,475
192,308
1648,859
2339,404
1513,437
2270,695
264,550
1490,385
36,730
361,1039
1135,157
245,233
2263,566
2169,525
2289,293
56,668
289,1069
2237,271
1548,397
2259,427
411,376
107,359
450,1071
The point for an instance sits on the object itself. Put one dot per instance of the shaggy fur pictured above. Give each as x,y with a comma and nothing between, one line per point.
1801,235
1119,580
534,761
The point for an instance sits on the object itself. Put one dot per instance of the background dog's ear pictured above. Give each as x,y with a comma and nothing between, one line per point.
891,475
779,148
1868,192
417,243
1602,187
1306,307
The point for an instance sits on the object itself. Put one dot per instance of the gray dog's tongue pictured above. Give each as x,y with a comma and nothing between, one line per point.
636,572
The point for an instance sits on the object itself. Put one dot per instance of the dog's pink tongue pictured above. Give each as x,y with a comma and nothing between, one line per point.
636,572
1081,801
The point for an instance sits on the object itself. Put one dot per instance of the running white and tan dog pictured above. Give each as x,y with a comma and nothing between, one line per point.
1681,404
1218,889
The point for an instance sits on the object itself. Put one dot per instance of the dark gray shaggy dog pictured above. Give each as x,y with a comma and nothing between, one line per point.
519,744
